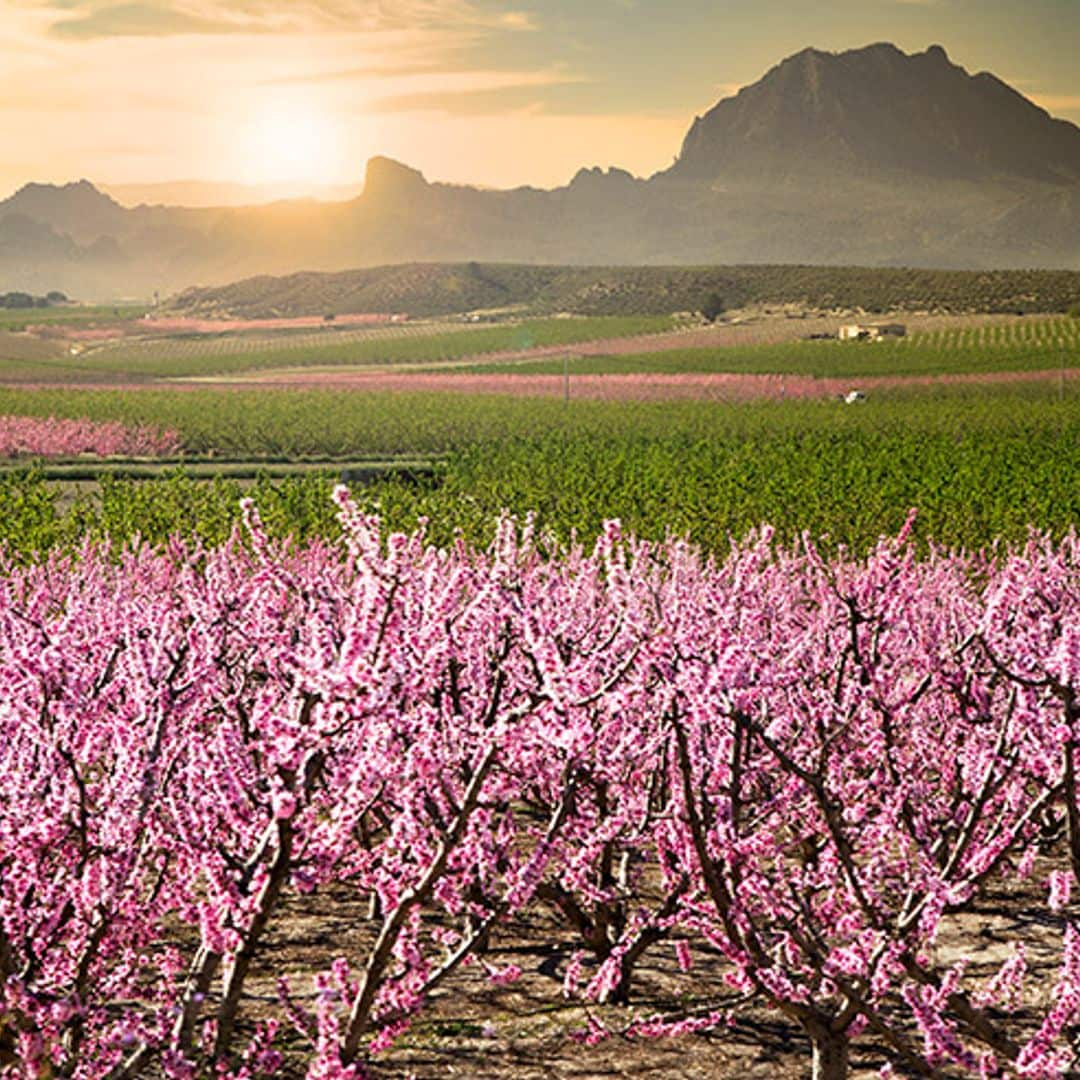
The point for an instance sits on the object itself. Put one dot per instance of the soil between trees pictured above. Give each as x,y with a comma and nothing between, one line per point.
529,1030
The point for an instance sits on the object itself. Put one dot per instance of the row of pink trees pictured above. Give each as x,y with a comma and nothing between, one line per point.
811,767
52,437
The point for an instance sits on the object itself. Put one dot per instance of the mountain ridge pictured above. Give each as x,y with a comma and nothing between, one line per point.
870,156
440,289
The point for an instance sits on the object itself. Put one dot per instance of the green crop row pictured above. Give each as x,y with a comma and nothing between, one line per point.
978,465
1049,331
305,424
227,355
1023,345
40,516
20,318
932,355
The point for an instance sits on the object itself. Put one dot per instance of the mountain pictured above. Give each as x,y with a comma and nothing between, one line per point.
877,111
1047,222
33,239
207,194
871,157
80,210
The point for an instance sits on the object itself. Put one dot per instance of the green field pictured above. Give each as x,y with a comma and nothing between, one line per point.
978,463
1023,345
1031,345
19,318
203,355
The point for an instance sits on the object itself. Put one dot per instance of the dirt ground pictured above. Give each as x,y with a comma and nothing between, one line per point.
528,1030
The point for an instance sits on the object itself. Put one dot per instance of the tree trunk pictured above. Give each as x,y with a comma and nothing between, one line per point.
1072,809
831,1051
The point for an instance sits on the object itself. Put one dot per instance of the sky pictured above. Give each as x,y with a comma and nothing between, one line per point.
469,91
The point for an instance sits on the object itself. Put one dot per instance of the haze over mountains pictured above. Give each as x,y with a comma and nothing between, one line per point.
208,193
868,157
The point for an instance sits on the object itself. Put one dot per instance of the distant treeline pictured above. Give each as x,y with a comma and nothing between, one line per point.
20,300
426,289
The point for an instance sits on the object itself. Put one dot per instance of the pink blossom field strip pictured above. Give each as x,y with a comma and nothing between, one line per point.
53,437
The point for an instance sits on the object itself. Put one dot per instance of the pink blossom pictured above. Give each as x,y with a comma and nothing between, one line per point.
52,437
743,756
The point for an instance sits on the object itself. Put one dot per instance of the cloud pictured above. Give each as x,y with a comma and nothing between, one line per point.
137,20
483,93
462,102
397,68
89,19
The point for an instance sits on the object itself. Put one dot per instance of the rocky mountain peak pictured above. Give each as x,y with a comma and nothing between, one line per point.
879,111
386,178
78,208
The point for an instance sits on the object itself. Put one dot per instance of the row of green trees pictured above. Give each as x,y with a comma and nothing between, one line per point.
21,300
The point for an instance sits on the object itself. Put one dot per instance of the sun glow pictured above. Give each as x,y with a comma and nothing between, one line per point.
290,142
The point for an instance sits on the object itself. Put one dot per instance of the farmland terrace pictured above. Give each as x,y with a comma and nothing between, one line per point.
755,341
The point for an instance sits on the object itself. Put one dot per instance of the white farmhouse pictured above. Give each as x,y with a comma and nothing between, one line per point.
872,331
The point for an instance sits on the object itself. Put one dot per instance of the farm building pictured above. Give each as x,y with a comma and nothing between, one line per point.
872,331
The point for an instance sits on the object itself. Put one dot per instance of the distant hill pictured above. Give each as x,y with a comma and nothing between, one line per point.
204,194
80,210
441,289
866,157
34,241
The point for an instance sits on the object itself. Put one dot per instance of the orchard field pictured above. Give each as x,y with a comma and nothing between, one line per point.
141,352
979,463
981,346
760,342
454,774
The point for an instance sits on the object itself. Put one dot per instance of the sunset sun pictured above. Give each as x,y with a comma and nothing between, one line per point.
289,142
